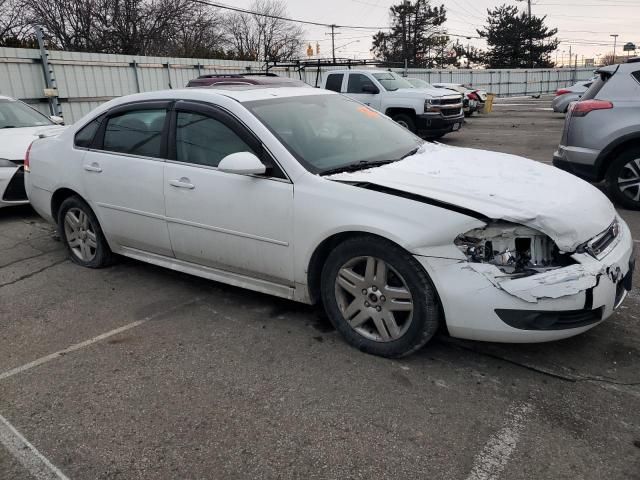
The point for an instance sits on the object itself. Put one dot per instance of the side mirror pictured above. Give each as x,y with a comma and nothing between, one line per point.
368,88
57,120
242,163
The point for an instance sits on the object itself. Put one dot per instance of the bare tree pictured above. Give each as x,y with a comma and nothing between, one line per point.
256,36
11,20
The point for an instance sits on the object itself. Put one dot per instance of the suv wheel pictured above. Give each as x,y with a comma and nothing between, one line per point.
379,298
81,233
623,179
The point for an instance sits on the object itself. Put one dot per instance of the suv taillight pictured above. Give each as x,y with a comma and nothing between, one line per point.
580,109
26,158
562,91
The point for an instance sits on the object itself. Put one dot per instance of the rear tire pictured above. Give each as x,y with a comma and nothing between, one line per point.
406,121
82,235
379,297
623,179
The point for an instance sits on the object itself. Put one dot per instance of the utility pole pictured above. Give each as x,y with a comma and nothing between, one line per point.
333,41
615,41
530,36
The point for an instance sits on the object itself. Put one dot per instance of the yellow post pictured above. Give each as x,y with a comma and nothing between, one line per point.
488,104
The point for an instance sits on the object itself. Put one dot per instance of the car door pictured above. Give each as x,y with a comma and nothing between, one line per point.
123,176
362,88
232,222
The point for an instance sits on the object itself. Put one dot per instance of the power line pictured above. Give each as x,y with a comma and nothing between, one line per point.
279,17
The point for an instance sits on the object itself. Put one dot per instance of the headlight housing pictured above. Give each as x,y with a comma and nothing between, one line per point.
514,249
432,105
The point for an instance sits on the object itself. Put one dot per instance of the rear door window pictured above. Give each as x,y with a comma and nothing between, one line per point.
636,75
136,132
334,82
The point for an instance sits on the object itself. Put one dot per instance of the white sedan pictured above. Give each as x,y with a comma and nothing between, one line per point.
19,126
308,195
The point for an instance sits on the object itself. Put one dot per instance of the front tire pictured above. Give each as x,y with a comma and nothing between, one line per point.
623,179
379,298
81,233
406,121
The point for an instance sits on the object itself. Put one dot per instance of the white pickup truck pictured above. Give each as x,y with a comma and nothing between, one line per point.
428,111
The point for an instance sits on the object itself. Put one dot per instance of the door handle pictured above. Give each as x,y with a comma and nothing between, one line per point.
184,182
94,167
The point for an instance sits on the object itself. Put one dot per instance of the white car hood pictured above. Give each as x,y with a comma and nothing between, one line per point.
15,141
499,186
424,92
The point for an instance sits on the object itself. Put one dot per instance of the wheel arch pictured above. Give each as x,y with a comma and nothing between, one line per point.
321,253
615,148
391,111
59,196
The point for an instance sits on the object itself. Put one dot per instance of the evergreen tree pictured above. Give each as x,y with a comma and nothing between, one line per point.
517,41
414,34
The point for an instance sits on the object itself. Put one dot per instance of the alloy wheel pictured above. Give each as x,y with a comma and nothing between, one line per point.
629,180
80,234
374,299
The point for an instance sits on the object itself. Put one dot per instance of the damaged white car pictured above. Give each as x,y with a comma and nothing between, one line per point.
311,196
19,126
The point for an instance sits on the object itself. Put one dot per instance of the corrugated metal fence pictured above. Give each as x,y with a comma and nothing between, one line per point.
85,80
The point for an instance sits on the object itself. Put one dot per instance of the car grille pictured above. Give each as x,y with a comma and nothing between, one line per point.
600,244
15,191
450,112
449,101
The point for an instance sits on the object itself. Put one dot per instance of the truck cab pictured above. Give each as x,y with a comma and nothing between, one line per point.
429,112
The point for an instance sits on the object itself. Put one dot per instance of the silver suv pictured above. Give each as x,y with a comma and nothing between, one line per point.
601,136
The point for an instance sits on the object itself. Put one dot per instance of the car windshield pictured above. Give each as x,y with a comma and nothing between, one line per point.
391,82
14,114
328,132
419,83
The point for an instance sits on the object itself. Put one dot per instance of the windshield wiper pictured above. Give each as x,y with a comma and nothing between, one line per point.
9,126
353,167
412,152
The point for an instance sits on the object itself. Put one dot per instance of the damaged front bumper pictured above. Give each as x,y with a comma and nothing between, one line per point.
12,189
480,302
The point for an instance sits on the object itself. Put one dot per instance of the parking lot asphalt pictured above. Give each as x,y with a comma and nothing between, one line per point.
136,372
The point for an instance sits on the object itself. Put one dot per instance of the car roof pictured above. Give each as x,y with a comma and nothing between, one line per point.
237,79
240,93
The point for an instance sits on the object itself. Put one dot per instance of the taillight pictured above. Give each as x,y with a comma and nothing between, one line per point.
580,109
562,91
473,96
26,158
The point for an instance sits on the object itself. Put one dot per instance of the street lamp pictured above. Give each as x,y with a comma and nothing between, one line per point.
615,40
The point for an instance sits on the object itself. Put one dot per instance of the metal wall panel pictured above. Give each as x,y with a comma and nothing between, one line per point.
85,80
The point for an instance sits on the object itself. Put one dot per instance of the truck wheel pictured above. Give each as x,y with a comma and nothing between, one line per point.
406,121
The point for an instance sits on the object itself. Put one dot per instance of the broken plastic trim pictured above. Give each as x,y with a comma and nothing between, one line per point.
419,198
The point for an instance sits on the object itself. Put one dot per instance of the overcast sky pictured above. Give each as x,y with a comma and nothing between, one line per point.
585,24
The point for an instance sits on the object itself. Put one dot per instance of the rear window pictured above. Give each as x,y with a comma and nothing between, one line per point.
334,82
596,86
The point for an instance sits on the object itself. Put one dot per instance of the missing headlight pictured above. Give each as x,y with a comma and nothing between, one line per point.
514,249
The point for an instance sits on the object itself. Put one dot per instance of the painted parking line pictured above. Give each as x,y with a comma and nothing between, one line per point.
491,461
28,455
91,341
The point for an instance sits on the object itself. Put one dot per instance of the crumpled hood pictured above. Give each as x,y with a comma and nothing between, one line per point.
500,186
15,141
